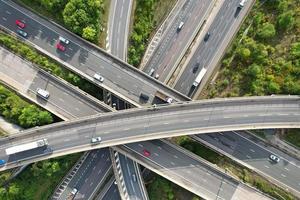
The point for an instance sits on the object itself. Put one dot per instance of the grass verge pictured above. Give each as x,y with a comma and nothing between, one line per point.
293,137
148,15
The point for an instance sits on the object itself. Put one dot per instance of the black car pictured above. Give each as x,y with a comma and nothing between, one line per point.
206,37
22,33
196,67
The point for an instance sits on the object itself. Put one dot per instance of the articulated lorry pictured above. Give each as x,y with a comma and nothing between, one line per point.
199,77
26,146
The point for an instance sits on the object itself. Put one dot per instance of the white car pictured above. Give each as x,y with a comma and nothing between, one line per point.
274,158
64,40
98,77
96,140
74,191
43,93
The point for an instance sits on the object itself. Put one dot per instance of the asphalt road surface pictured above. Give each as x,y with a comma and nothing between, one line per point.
152,123
221,31
256,154
83,58
87,178
187,171
174,42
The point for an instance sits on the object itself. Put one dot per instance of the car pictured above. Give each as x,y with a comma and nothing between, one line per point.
206,37
22,33
134,177
151,72
63,40
195,69
144,97
156,76
242,3
42,93
98,77
20,23
60,47
274,158
146,153
2,162
74,191
96,140
180,26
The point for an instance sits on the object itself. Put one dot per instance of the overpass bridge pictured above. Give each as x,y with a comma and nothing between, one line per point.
149,123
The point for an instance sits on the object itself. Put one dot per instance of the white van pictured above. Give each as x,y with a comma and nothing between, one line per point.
43,93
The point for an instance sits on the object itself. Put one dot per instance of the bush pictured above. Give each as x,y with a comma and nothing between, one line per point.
267,31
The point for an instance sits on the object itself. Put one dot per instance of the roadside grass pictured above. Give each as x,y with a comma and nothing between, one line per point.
242,173
36,184
35,6
259,133
162,189
293,137
148,15
104,24
256,66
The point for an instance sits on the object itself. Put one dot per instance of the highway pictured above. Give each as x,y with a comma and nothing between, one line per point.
190,172
110,191
118,23
208,53
132,178
174,43
119,19
84,58
152,123
255,154
86,178
66,101
27,78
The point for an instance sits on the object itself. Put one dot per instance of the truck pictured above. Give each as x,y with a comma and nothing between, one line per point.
26,146
163,97
199,77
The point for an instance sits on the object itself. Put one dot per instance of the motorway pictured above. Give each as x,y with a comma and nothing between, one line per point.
174,43
85,59
208,52
190,172
242,146
109,192
152,123
65,100
119,19
27,78
133,184
86,178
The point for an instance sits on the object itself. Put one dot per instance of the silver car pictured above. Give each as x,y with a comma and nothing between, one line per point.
64,40
96,140
274,158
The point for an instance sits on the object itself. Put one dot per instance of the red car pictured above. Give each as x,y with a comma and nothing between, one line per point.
60,47
20,24
146,153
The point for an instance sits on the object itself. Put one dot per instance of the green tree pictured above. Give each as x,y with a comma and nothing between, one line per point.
295,50
244,53
89,33
267,31
285,21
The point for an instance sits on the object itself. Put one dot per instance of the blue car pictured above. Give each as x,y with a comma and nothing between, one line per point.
22,33
2,162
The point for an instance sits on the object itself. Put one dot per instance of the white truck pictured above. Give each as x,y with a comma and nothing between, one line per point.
199,77
26,146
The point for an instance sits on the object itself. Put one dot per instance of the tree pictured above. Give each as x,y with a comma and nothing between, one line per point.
285,21
267,31
254,71
244,53
29,117
295,50
89,33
